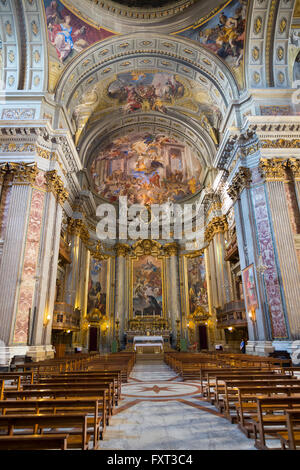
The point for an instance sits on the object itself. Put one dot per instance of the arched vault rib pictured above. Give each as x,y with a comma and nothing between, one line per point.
126,53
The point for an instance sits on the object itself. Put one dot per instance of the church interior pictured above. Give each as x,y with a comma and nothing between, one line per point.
123,124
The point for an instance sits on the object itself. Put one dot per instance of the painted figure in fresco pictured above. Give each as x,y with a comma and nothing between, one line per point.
198,295
63,37
68,33
225,33
147,290
146,168
52,13
146,91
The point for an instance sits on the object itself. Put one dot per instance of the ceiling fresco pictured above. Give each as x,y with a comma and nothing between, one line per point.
148,91
147,168
224,34
68,35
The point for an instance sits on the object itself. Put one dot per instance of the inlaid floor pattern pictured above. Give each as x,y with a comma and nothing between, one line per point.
160,412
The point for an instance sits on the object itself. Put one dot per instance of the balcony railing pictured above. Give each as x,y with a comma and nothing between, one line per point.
65,317
232,314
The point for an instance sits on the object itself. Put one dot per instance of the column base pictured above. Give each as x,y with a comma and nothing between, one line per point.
259,348
289,346
250,347
38,353
41,353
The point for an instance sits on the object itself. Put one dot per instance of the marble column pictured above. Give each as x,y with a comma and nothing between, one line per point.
174,291
29,241
47,272
121,310
285,225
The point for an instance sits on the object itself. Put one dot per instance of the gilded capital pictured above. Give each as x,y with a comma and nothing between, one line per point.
122,249
294,165
171,249
21,173
216,225
56,186
74,226
273,169
240,181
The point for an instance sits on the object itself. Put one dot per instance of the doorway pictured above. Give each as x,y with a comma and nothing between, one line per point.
93,339
203,342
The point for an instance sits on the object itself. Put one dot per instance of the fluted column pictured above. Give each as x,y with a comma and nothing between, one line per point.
120,294
13,247
28,283
174,291
285,227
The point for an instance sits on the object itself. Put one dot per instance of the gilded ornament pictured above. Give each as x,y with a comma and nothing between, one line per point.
239,182
257,25
56,186
256,77
255,53
294,165
280,53
272,169
36,56
11,56
34,28
283,25
216,225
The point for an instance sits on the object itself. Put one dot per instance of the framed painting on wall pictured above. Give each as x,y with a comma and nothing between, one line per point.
250,288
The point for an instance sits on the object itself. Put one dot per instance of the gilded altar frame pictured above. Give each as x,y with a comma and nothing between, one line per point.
185,282
147,248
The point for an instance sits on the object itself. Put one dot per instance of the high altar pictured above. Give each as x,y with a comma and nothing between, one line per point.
148,344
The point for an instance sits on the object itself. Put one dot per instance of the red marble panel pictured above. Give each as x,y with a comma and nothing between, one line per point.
27,287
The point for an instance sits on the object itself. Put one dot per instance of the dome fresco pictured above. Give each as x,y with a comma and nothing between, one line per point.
147,168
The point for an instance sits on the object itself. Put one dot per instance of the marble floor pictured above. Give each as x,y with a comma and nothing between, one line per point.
160,412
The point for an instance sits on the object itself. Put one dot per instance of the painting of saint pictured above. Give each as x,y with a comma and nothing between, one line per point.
147,287
147,168
250,288
145,91
67,33
197,285
96,304
224,34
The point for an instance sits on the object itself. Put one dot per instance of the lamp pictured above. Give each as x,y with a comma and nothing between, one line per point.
252,314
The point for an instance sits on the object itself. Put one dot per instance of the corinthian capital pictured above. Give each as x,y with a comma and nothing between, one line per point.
272,169
171,249
294,165
240,181
216,225
56,186
21,173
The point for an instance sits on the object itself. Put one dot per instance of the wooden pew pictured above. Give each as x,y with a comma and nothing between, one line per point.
213,379
66,393
34,442
79,438
290,439
83,385
247,407
115,378
266,422
232,386
92,406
